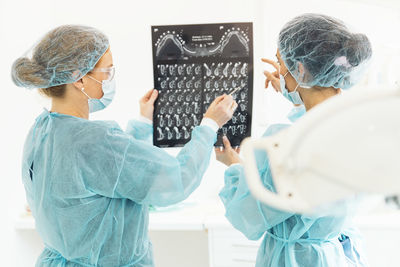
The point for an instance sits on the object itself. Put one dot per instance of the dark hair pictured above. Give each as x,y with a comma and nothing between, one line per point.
326,48
55,91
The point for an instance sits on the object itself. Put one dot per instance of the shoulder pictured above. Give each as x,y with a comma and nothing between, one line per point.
105,126
100,143
275,128
84,133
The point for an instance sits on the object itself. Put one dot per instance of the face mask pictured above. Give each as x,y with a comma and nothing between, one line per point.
294,96
108,87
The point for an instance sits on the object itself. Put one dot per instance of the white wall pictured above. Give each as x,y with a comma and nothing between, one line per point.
378,19
127,23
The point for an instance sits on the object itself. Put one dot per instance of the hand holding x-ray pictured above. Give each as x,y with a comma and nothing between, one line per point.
227,154
221,109
147,104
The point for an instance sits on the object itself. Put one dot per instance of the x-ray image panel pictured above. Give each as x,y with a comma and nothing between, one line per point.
194,64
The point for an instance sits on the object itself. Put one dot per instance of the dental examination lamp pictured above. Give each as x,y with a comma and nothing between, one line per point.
345,147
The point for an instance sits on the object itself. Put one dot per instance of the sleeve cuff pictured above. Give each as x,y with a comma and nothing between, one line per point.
145,120
210,123
234,170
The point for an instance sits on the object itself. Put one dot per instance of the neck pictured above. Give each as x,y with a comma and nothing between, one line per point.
314,96
73,106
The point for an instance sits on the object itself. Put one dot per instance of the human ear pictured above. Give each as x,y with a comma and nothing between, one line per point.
301,70
304,75
78,84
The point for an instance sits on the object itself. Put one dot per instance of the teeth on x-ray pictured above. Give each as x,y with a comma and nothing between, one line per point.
193,65
161,121
186,133
187,120
160,134
234,119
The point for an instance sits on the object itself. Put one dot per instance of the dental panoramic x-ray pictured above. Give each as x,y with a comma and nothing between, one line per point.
194,64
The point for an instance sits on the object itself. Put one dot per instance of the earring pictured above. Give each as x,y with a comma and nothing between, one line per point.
85,93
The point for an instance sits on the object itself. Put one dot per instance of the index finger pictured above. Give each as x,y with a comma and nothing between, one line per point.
271,62
218,149
227,100
270,76
237,149
219,98
148,94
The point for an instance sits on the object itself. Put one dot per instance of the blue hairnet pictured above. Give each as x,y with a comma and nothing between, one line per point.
330,55
62,56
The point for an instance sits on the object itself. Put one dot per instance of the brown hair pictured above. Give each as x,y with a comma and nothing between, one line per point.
55,91
62,56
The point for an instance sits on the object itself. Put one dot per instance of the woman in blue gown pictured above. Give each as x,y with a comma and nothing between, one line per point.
88,183
317,57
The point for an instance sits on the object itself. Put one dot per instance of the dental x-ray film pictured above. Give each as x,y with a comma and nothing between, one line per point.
194,64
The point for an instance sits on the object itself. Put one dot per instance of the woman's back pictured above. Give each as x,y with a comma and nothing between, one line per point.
72,216
289,239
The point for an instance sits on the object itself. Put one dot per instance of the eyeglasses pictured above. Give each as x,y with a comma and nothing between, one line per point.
110,72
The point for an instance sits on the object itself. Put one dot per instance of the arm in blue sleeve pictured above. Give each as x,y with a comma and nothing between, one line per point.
246,213
140,130
133,169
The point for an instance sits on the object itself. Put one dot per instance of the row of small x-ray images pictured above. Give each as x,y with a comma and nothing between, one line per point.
194,64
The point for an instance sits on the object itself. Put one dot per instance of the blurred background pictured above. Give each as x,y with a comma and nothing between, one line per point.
195,232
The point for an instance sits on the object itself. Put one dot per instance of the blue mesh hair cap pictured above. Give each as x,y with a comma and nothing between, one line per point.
62,56
319,50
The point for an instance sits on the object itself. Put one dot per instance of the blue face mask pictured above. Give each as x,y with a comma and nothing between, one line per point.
108,87
294,96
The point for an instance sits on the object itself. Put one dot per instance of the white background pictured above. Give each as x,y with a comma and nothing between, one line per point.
127,23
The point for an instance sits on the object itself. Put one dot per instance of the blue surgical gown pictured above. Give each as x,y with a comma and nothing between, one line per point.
296,113
289,239
351,239
89,185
